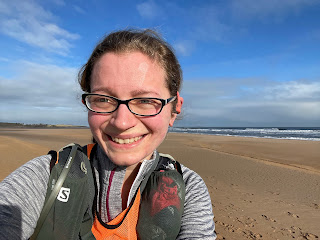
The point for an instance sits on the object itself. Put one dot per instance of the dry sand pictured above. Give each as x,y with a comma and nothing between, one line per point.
260,188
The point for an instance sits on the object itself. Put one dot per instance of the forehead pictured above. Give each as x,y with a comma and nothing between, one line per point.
131,71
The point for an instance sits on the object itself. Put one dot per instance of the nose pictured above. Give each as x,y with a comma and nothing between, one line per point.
123,119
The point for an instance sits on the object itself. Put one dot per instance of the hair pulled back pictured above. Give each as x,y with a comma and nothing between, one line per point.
147,42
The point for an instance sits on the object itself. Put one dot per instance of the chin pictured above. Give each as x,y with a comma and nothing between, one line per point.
126,159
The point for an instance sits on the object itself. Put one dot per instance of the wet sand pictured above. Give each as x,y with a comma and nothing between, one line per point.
260,188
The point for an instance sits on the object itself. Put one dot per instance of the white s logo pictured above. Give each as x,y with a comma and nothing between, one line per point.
64,194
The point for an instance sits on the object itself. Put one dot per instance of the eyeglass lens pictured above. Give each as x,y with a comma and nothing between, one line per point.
141,106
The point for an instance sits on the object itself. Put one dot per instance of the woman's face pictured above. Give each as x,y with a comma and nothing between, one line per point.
125,76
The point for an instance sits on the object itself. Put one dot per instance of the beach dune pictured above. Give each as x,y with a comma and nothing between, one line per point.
260,188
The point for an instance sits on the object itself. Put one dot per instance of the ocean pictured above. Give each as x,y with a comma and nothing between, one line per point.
297,133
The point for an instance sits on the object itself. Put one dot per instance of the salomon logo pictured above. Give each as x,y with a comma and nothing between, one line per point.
64,194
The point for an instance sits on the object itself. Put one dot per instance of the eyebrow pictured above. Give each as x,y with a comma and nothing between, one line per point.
134,93
105,90
143,92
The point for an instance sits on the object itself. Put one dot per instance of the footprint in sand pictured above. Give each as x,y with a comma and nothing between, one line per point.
274,193
297,232
293,215
269,219
251,235
293,231
310,236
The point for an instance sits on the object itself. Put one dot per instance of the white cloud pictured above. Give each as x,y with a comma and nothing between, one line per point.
41,93
59,2
184,47
294,91
41,85
210,25
251,102
78,9
268,9
50,94
28,22
150,10
202,21
2,59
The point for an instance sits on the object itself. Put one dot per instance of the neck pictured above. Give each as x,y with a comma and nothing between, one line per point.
131,173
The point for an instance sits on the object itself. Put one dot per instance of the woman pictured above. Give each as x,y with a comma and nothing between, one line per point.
132,82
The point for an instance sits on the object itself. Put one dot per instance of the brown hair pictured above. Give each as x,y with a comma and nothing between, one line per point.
147,42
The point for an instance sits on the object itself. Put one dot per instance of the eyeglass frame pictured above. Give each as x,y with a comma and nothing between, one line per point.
126,102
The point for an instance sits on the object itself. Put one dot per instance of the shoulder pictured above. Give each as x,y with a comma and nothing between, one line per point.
192,179
36,168
26,181
196,189
22,195
198,214
197,194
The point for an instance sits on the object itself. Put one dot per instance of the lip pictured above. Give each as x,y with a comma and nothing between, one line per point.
123,137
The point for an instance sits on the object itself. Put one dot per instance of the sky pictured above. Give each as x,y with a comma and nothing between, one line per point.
246,63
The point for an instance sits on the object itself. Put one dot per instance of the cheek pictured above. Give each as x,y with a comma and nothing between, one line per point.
95,121
91,120
159,125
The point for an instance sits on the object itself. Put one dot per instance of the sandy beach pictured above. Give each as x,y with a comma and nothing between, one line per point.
260,188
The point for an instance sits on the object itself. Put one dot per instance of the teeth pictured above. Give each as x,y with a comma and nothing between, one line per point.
125,141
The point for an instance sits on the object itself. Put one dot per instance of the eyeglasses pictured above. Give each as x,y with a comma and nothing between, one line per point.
139,106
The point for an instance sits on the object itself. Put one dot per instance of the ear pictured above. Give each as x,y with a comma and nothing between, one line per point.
179,103
178,109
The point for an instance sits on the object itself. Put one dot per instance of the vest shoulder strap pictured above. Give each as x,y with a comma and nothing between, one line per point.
54,157
165,162
66,166
162,162
87,150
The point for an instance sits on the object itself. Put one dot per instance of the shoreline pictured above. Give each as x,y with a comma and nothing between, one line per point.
11,126
244,136
297,139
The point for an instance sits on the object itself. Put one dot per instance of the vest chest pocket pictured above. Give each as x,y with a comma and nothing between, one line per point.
161,206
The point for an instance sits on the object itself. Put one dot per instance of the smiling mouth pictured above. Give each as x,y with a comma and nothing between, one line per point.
126,141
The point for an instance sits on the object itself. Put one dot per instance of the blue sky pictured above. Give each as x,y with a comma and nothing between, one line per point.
245,62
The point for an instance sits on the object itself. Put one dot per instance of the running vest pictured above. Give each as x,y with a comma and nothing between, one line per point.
70,209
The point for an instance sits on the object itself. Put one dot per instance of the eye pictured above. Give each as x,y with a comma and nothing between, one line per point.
146,101
99,99
102,99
